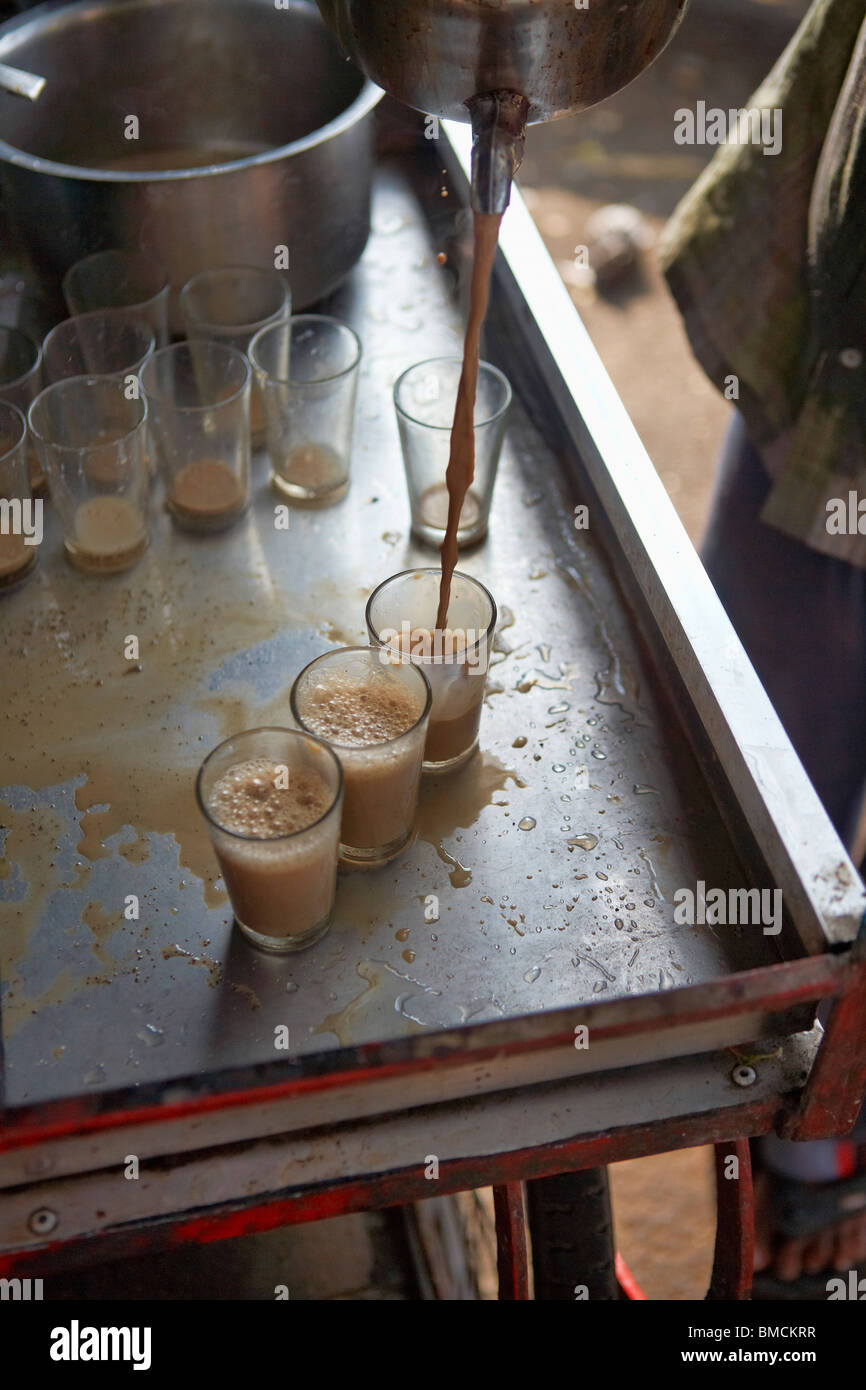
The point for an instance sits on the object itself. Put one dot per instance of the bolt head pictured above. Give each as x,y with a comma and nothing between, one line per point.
42,1221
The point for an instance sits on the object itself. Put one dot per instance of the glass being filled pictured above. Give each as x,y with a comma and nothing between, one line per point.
401,617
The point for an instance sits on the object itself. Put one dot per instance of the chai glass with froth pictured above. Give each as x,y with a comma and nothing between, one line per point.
401,617
373,710
272,800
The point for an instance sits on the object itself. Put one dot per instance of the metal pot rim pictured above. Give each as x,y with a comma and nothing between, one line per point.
368,97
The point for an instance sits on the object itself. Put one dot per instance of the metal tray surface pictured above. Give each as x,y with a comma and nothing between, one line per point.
542,875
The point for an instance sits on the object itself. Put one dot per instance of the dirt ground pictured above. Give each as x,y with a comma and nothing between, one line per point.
623,152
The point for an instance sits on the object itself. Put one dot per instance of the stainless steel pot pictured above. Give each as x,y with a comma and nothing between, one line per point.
254,133
502,64
562,57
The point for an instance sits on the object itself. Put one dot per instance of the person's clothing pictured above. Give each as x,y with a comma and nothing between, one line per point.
766,258
801,617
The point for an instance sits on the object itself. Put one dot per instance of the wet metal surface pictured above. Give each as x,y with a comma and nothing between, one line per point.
543,875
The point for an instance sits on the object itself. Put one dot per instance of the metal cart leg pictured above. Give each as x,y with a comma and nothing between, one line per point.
512,1254
833,1095
735,1223
571,1229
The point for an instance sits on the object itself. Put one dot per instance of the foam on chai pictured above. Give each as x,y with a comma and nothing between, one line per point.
401,617
272,801
374,714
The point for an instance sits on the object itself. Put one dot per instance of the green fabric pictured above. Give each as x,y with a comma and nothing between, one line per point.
766,258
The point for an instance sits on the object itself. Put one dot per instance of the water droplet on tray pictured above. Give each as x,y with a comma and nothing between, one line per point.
154,1037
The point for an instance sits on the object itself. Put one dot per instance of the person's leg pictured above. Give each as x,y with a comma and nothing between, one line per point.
801,617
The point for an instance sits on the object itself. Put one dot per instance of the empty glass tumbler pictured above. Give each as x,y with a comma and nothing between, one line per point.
424,399
309,388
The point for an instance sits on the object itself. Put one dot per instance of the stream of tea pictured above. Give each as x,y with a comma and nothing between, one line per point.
461,461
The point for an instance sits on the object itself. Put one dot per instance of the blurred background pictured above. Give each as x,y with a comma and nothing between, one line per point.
624,152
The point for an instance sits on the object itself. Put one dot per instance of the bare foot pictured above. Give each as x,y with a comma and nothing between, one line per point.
838,1247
